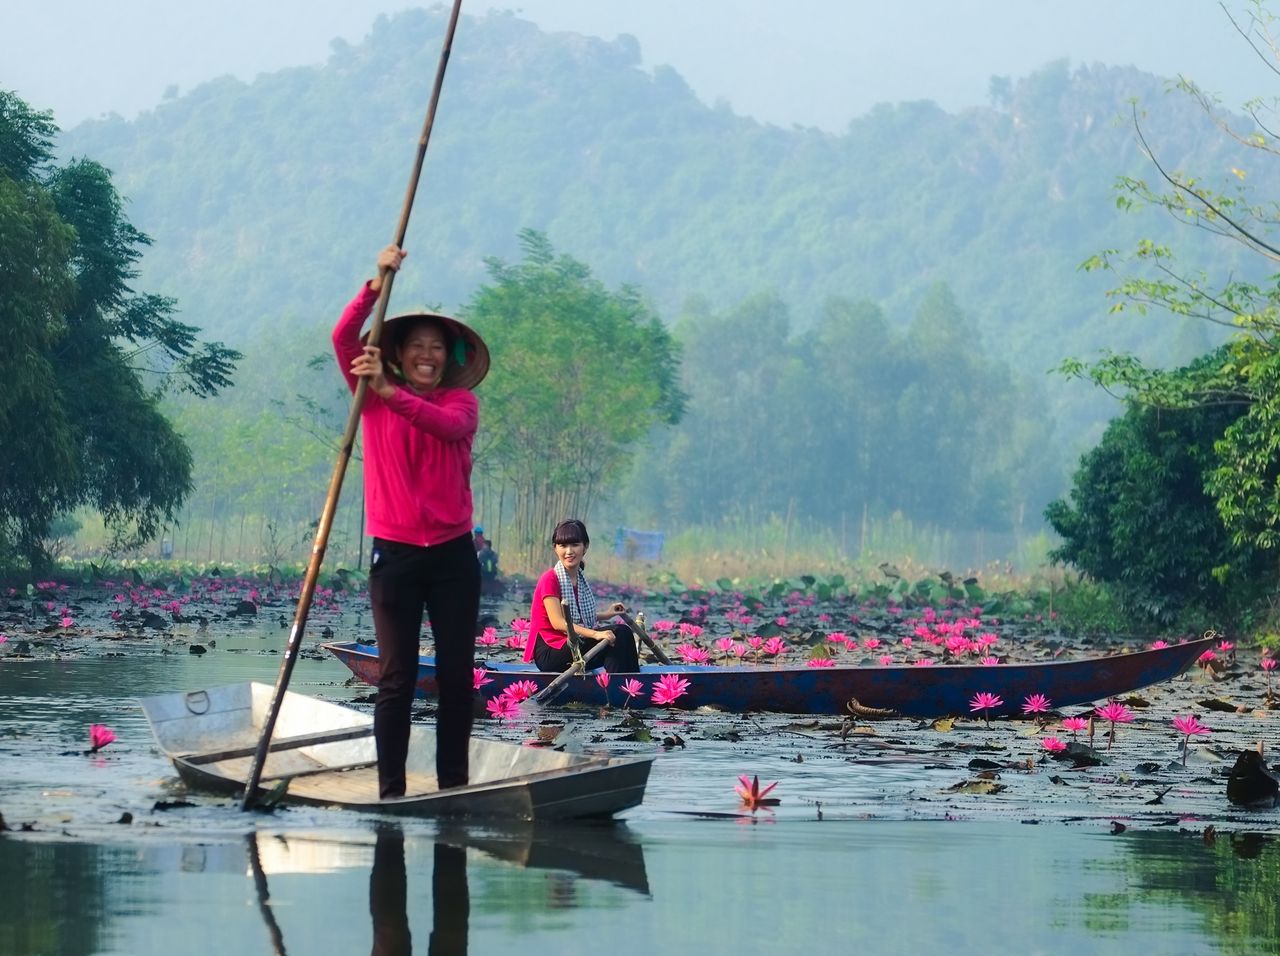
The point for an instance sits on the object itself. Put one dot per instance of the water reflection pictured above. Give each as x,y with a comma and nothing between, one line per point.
569,854
677,886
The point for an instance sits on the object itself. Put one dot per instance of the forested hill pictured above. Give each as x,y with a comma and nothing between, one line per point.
269,199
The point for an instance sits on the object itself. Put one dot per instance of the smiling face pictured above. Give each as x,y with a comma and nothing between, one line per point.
423,355
571,554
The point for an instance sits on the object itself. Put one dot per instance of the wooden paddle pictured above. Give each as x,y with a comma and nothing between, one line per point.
639,630
348,442
578,666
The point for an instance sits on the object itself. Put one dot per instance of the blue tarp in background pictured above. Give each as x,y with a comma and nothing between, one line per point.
638,545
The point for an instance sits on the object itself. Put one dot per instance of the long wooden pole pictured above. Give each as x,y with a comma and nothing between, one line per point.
348,440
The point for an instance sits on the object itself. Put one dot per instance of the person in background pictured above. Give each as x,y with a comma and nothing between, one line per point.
548,632
488,559
419,421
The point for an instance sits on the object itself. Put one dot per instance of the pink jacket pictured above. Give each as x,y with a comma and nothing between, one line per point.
417,449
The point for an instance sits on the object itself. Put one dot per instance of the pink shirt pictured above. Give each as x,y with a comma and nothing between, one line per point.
417,449
540,623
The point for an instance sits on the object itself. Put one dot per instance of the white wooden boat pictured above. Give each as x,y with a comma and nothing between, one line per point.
323,753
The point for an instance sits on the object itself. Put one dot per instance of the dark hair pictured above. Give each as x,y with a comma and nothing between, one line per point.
570,531
402,329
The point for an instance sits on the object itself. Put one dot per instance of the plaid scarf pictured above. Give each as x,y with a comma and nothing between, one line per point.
584,613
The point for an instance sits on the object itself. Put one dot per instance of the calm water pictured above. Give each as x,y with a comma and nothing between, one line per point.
879,873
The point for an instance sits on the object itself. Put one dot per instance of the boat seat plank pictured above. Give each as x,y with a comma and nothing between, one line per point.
287,743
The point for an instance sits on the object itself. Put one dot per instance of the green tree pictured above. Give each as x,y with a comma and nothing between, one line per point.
1141,520
580,376
1240,471
88,357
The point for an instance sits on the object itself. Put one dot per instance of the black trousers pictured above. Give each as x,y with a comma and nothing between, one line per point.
405,580
622,658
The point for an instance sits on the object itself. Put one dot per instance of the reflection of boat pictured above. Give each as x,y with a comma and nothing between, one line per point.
910,691
323,753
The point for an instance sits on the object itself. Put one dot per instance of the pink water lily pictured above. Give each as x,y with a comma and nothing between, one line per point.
668,689
753,797
99,737
1036,704
692,654
1075,725
602,678
820,662
886,660
989,661
724,645
1189,727
984,702
1268,665
488,637
502,707
478,678
775,646
1114,712
521,690
632,688
1053,744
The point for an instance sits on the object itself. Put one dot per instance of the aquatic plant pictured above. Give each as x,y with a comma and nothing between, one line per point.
632,688
984,702
668,689
1075,725
1036,704
754,798
503,707
1114,713
489,637
1268,665
478,678
820,662
99,737
1053,744
521,690
1189,727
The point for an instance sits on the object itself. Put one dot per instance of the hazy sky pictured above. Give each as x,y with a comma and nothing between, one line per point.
812,62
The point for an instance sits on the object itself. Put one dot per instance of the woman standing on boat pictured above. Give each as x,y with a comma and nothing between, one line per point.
419,420
548,643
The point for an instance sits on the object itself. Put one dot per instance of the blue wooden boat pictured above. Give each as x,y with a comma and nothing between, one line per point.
944,689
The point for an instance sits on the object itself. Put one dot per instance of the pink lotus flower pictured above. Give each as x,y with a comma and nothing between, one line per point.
489,637
515,642
503,707
923,662
67,621
1053,744
520,624
521,690
820,662
3,638
739,650
1036,704
664,625
753,798
886,660
1268,665
478,678
99,737
985,702
756,642
906,642
602,678
724,645
838,637
1158,645
1115,713
775,646
871,643
690,630
692,654
632,688
1189,727
668,689
989,661
1074,724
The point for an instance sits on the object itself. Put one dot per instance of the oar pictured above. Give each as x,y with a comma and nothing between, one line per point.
643,634
578,666
348,442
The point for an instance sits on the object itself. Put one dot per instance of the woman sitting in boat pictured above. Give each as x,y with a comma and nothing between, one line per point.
548,643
